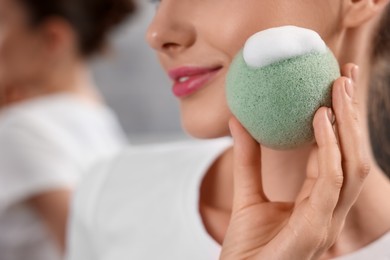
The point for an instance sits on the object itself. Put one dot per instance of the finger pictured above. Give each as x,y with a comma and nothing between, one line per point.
248,189
325,193
350,71
355,157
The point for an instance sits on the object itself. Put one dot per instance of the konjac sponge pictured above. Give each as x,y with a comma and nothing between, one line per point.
278,81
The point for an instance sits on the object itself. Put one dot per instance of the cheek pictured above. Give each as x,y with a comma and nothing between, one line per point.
244,21
257,15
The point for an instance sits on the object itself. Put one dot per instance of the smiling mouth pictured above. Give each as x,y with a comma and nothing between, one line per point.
188,80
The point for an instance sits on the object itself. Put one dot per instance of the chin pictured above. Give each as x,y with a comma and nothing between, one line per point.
205,114
205,122
205,131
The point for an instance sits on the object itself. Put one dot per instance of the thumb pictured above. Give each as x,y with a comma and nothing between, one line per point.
248,188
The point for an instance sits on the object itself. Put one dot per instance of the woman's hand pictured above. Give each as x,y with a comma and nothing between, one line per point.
261,229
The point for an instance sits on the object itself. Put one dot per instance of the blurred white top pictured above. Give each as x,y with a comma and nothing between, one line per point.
46,144
144,204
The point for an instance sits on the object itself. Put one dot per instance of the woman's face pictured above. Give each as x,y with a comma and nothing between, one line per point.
196,41
21,46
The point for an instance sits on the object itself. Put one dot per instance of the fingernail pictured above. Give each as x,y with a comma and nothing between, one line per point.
349,87
330,115
231,128
355,73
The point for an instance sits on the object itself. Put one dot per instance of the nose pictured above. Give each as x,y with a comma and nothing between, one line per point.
171,31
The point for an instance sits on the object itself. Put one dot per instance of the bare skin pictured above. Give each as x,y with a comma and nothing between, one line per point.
190,38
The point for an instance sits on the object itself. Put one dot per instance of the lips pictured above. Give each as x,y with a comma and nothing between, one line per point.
188,80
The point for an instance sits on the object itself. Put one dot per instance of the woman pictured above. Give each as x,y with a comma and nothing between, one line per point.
53,122
178,202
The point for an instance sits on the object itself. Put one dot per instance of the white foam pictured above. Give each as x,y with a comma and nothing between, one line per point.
280,43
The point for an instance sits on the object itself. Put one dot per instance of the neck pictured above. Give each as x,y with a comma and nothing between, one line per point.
75,80
283,172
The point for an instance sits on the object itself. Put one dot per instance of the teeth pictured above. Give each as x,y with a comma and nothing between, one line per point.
183,79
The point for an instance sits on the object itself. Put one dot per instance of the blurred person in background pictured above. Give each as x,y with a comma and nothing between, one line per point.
53,122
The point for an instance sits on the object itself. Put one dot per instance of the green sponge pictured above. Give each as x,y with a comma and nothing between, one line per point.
276,98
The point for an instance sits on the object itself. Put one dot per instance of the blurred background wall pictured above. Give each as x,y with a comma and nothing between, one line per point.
135,86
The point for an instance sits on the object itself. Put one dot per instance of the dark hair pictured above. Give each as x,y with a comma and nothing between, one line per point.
91,19
379,95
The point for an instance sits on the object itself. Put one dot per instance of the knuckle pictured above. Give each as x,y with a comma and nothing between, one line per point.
363,170
338,178
334,176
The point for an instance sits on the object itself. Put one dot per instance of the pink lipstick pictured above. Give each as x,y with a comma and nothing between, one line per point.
188,80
